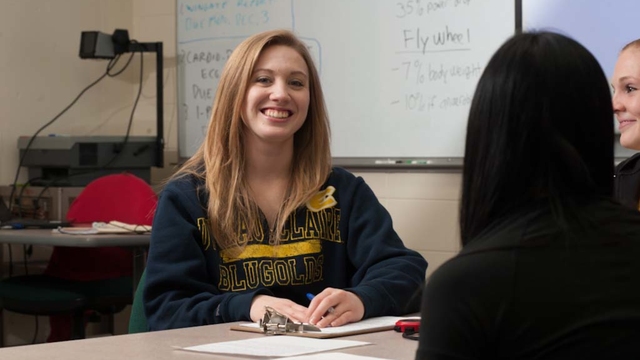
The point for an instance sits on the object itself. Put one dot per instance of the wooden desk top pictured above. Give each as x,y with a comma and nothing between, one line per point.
159,346
47,237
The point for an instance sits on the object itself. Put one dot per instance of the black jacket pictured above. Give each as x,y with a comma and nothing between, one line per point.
627,182
531,288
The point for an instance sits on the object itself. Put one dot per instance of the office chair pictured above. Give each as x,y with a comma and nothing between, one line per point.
99,278
42,295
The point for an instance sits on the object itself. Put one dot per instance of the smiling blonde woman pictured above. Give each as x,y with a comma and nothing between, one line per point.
626,106
258,217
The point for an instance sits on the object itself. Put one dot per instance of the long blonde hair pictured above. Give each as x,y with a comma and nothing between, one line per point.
220,160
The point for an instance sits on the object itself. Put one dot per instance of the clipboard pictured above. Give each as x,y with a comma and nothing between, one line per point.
376,324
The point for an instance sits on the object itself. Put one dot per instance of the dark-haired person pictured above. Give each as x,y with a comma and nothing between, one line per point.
626,106
549,267
258,217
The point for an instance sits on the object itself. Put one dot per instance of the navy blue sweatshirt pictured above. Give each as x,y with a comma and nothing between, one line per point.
343,238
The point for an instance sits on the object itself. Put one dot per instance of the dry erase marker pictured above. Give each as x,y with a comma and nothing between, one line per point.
330,310
388,161
419,162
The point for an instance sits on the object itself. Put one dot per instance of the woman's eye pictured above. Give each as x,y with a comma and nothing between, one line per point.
263,80
297,83
629,88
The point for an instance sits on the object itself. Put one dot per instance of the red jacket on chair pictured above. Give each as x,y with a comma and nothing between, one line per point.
121,197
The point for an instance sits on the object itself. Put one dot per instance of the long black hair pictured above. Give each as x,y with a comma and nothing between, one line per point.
540,128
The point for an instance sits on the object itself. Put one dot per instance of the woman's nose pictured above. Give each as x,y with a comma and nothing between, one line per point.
279,91
617,103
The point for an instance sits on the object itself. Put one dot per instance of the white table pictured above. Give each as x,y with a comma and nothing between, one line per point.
160,345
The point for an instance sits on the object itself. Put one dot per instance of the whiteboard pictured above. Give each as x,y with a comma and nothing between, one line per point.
398,76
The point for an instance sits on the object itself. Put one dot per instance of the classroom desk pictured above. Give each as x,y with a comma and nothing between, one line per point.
138,243
159,345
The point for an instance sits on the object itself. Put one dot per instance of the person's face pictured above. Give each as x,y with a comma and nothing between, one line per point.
626,97
277,98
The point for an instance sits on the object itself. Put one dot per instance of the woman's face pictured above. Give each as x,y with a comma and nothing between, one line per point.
626,97
277,98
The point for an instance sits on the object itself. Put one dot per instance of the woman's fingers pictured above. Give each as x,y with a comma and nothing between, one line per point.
335,307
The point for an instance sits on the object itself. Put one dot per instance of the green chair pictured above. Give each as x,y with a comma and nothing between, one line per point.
137,319
42,295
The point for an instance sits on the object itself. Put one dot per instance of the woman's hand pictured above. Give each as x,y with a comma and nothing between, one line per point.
335,307
288,308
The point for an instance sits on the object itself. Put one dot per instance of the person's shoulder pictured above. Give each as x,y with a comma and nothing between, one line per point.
182,183
506,233
629,165
339,172
340,175
473,269
501,237
487,262
617,218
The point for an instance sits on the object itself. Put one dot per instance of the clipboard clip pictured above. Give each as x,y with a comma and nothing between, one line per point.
274,323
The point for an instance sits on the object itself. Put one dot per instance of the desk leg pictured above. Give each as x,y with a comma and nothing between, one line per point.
139,263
